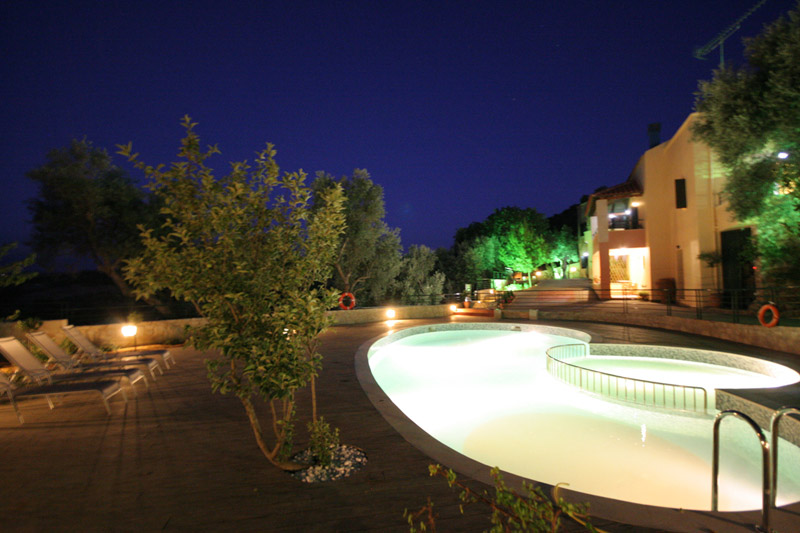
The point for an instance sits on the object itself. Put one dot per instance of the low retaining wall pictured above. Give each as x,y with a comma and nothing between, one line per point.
378,314
780,338
174,331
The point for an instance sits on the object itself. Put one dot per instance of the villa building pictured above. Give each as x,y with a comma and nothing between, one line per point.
647,232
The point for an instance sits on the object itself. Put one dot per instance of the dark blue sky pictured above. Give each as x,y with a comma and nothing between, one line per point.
455,108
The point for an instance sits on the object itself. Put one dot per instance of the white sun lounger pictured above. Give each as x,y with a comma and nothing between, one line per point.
19,356
70,364
106,389
87,347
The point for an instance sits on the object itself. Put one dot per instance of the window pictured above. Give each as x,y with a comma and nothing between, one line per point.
680,194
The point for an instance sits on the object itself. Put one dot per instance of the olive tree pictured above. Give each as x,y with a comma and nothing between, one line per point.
369,255
246,250
750,118
87,207
419,281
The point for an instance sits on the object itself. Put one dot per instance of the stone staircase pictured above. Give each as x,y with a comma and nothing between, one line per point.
554,292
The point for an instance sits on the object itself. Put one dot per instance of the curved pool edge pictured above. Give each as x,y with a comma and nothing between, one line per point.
662,518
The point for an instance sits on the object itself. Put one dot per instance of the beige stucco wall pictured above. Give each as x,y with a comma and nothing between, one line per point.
677,236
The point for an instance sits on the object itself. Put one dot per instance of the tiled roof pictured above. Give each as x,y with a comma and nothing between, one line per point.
626,189
623,190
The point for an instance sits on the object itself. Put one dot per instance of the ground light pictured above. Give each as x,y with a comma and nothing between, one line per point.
129,330
390,313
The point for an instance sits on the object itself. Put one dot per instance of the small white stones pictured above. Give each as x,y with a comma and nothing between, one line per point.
346,460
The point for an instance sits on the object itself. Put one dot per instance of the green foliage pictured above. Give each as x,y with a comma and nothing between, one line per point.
747,116
511,238
323,441
369,257
248,253
88,207
778,239
418,282
531,511
14,273
563,248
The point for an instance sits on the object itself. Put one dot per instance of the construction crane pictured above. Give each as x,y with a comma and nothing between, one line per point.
719,40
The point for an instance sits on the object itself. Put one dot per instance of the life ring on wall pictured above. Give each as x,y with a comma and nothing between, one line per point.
350,297
763,312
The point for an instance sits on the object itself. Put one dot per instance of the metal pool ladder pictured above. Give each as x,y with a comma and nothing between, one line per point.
774,427
769,460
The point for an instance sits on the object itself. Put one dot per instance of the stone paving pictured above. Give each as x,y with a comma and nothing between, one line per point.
179,458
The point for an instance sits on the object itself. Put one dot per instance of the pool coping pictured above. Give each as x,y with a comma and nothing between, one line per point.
664,518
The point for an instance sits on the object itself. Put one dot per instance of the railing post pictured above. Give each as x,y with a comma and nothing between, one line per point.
699,301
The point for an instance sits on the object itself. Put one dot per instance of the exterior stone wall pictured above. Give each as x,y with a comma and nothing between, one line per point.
173,331
780,338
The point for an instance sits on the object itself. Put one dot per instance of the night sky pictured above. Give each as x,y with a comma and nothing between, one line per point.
455,108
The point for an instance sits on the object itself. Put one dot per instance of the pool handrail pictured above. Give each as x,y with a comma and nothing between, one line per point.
574,351
766,498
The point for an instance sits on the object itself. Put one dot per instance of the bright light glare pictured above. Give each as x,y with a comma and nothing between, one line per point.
128,330
390,313
453,308
573,269
635,204
487,395
783,155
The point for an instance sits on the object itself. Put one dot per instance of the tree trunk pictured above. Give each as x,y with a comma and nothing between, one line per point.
262,444
126,290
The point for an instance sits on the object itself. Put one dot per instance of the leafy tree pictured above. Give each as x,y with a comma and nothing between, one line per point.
748,116
88,208
246,250
14,273
481,257
418,281
522,237
369,254
563,246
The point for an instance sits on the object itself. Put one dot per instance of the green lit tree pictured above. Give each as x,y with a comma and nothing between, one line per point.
369,255
750,118
247,251
563,247
522,238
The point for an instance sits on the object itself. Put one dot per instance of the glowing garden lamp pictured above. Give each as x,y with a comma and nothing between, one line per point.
129,330
390,313
453,308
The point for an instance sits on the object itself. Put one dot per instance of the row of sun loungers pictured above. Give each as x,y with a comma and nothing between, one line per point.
104,373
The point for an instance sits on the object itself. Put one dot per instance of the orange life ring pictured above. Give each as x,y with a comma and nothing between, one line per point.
775,315
352,303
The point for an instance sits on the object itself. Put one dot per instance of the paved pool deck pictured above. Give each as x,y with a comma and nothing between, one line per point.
180,458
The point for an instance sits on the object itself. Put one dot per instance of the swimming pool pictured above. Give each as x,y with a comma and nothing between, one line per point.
483,391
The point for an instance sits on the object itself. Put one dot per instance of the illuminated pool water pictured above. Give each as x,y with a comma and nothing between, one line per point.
486,394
